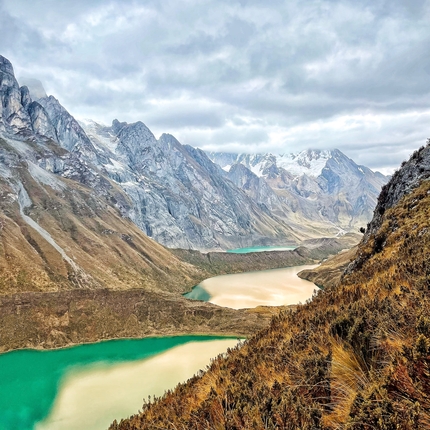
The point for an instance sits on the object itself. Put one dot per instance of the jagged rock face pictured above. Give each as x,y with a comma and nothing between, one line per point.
180,198
139,147
13,116
325,188
25,97
19,115
69,133
40,121
403,182
257,188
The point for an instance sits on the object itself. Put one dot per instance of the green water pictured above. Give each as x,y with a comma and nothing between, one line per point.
261,249
198,293
30,379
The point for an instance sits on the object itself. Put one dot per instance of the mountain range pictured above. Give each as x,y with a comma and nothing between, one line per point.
175,194
81,205
314,191
76,264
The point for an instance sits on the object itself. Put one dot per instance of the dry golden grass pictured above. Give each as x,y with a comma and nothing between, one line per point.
329,272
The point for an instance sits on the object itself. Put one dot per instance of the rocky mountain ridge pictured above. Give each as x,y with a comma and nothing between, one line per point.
181,199
176,195
172,192
324,187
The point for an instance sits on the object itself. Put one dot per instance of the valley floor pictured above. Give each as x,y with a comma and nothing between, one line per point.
56,319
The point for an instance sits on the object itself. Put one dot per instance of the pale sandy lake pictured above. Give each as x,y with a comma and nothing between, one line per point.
247,290
88,386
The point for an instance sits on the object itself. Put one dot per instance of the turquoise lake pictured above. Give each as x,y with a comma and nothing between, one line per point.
31,380
261,249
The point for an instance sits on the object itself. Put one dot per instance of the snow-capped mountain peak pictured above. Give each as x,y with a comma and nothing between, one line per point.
310,162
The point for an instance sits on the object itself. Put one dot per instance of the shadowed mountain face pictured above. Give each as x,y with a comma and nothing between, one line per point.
355,357
325,190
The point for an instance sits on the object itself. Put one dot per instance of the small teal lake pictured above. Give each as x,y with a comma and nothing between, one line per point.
198,293
31,380
261,249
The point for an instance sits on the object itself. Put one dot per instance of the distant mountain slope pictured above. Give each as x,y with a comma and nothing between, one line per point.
324,189
355,357
180,198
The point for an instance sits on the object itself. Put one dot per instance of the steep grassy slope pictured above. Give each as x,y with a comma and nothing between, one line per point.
356,357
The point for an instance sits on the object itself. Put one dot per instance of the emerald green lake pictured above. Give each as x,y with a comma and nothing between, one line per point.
31,380
261,249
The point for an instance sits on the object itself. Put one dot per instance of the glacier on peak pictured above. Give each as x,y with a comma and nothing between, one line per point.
309,162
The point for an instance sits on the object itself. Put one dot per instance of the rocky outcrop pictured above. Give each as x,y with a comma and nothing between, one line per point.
404,181
70,134
13,115
40,121
257,188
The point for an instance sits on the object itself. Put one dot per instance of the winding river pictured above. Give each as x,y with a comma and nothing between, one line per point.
88,386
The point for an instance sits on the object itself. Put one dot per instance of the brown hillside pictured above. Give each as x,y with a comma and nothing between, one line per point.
356,357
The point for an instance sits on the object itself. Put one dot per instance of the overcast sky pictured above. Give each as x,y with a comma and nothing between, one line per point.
237,76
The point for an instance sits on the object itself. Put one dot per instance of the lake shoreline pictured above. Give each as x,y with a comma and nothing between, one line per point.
52,320
30,393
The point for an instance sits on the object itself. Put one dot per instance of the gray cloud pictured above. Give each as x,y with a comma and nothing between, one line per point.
237,75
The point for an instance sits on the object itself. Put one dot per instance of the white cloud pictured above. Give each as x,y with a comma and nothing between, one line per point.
237,75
